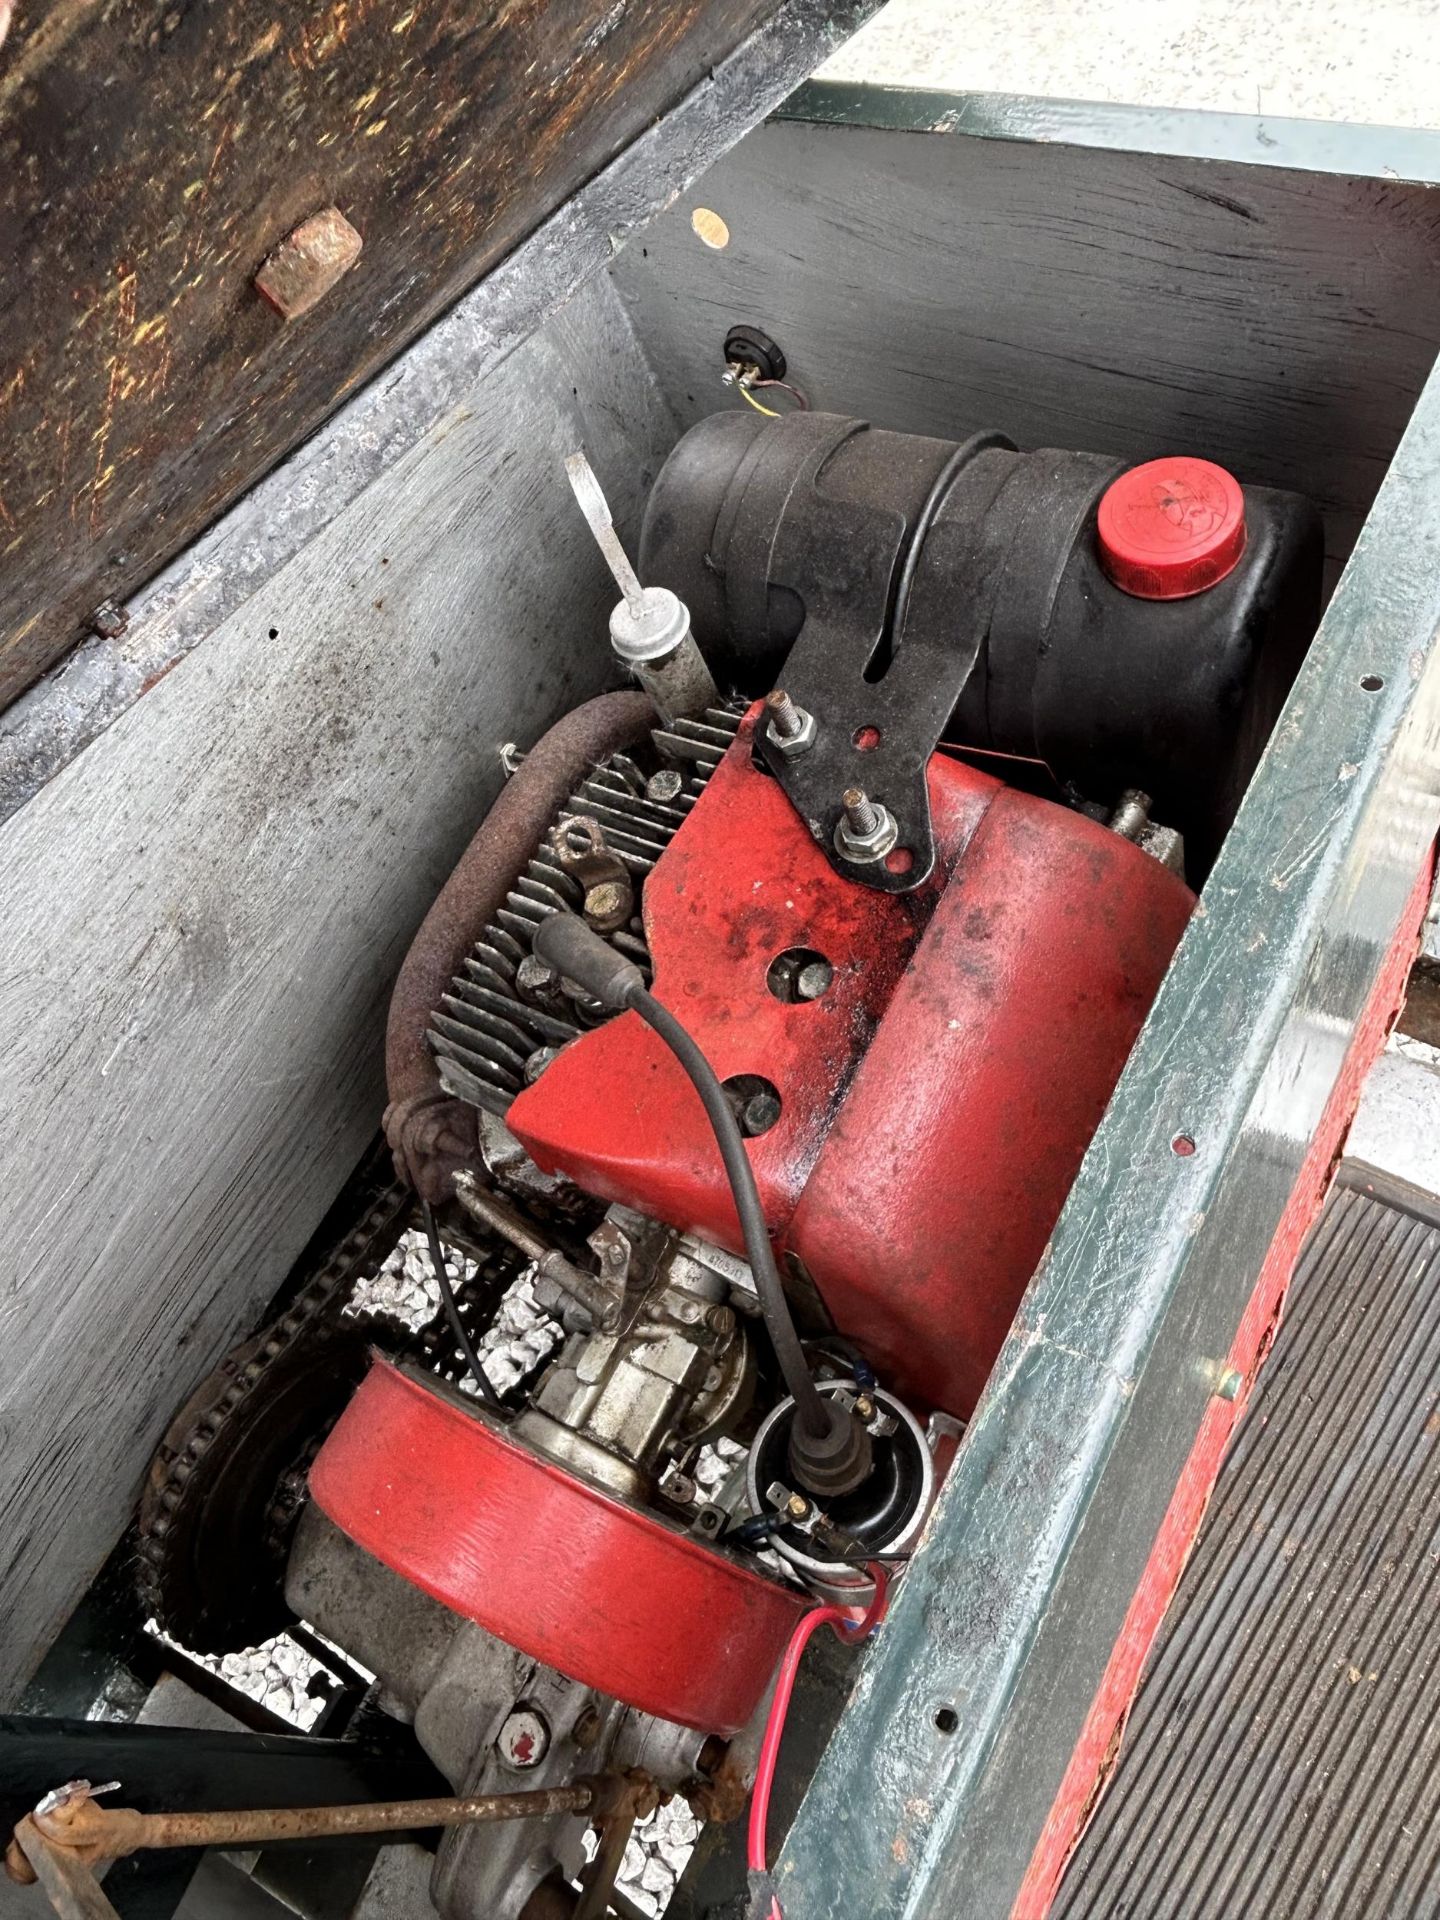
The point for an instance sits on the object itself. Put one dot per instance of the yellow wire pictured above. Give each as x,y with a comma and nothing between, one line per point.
770,412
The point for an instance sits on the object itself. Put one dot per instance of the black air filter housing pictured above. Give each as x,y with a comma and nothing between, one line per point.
1044,631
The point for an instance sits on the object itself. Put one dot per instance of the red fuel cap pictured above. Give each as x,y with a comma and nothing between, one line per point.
1171,528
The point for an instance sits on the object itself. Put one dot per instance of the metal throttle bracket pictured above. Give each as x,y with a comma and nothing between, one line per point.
69,1840
869,700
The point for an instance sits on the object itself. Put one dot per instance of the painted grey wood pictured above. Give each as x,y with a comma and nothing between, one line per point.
1279,320
203,913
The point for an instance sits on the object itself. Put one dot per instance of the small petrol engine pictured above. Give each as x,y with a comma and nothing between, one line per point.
768,1017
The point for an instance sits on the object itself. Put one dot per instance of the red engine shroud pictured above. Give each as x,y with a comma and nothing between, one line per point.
936,1101
616,1598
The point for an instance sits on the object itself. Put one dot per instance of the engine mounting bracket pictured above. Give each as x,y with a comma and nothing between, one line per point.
874,699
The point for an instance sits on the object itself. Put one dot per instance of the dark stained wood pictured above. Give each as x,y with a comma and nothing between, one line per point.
154,152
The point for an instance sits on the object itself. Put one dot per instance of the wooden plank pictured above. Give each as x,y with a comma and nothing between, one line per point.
1275,319
153,159
204,912
47,726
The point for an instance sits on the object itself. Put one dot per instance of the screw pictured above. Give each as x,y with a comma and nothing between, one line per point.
760,1113
790,727
537,1062
586,1730
665,785
1228,1383
524,1739
1132,815
511,759
785,717
720,1319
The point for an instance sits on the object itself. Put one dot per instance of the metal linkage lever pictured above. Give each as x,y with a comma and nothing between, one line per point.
68,1836
588,1293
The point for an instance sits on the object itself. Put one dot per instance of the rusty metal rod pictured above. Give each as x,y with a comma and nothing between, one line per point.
114,1831
583,1288
491,1211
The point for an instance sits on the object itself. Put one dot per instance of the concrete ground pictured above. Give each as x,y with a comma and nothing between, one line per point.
1367,60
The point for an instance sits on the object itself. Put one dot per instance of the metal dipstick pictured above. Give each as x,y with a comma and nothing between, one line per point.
650,626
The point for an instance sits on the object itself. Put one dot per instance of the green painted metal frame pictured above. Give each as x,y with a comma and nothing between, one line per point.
1045,1526
1314,146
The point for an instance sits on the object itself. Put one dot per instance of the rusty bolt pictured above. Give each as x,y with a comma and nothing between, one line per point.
720,1319
524,1739
306,265
109,619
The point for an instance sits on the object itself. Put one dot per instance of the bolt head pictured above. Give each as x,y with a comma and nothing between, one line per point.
814,979
534,975
307,264
664,786
524,1739
608,905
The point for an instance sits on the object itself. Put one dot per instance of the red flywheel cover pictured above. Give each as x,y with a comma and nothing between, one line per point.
613,1597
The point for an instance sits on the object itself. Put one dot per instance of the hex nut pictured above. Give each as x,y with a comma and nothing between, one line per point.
308,263
795,743
865,848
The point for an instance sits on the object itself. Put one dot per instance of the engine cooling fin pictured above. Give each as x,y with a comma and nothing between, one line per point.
487,1034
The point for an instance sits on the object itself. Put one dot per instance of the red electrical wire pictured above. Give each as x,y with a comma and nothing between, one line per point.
848,1628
